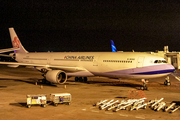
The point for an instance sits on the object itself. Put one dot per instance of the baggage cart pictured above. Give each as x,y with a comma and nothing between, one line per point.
36,100
56,98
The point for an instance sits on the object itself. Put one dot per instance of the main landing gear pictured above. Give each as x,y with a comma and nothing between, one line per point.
44,81
144,81
167,81
81,79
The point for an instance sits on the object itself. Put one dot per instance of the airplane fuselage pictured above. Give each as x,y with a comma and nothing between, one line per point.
133,65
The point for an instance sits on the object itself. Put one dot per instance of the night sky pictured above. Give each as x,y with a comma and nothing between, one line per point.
56,25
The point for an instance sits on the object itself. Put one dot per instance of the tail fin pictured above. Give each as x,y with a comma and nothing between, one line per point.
16,42
113,47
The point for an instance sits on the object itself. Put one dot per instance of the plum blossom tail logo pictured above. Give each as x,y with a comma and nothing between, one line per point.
16,42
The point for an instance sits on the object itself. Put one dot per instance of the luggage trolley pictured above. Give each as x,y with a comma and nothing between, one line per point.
56,98
36,100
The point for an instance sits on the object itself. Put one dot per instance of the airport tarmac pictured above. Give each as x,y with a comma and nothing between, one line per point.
16,83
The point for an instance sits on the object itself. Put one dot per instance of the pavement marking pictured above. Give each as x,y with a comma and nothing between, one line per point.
94,111
84,109
123,115
108,113
153,119
140,117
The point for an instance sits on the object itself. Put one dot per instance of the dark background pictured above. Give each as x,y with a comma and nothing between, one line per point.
73,25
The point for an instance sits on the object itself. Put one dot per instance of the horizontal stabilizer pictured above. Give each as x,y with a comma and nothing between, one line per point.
3,55
8,50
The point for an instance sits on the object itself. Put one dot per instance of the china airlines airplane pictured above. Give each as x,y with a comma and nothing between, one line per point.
58,66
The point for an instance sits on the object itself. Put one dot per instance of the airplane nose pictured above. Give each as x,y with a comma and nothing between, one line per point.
170,68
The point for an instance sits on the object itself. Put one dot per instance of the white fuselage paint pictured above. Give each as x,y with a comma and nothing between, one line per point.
134,65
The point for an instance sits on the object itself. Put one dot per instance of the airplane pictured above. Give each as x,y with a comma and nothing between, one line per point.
58,66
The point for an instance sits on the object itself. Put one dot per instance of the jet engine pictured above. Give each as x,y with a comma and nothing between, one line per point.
56,76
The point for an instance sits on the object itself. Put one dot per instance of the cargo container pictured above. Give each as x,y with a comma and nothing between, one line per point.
56,98
36,100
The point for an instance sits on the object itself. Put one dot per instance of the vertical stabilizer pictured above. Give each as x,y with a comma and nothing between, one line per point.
113,47
16,42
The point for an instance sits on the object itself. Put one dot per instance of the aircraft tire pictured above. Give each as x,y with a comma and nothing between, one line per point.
168,84
85,79
28,106
165,83
43,81
144,88
76,79
43,105
47,82
55,104
68,103
80,79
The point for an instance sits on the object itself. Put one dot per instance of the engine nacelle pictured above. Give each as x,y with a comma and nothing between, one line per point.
13,55
56,76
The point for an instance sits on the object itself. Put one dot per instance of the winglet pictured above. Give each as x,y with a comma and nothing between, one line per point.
16,42
113,47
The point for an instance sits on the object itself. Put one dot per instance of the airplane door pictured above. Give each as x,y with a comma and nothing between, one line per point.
140,61
49,60
95,61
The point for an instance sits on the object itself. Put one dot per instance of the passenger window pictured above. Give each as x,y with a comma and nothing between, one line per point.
160,61
156,61
164,61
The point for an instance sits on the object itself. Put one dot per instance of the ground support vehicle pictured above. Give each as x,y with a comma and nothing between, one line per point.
36,100
57,98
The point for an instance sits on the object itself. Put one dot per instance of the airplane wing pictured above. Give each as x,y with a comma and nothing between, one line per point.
64,68
8,50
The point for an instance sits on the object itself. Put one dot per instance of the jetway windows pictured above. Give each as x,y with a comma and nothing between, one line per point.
160,61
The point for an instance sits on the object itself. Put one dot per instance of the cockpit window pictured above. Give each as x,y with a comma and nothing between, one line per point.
160,61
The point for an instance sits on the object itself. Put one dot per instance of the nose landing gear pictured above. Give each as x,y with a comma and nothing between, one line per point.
167,81
144,81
